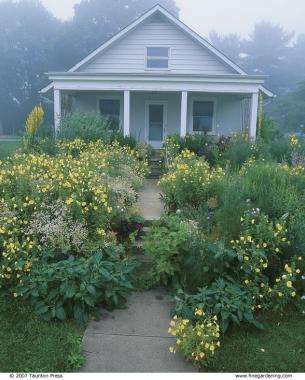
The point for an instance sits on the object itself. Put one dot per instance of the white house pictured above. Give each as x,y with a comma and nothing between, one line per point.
157,77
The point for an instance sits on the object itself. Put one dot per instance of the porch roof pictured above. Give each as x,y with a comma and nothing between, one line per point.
225,83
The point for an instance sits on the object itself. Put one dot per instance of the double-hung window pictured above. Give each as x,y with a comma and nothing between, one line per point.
203,115
110,111
157,58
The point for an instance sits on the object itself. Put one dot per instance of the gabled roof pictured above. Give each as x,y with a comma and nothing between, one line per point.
158,9
155,10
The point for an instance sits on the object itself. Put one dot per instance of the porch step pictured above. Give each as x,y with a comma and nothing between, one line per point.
154,164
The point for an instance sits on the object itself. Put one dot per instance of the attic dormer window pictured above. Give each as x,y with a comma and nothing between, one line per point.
157,58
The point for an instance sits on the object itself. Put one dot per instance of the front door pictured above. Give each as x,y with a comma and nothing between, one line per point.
156,124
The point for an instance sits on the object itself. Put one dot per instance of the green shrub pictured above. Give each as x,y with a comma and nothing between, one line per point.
280,149
269,130
238,150
204,262
75,288
231,205
166,244
85,126
200,144
269,189
123,140
230,301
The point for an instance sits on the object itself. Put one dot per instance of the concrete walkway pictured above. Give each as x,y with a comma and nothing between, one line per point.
134,339
150,201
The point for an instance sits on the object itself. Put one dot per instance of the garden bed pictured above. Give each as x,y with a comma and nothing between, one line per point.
67,220
231,248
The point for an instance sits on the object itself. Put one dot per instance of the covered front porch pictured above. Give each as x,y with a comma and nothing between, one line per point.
151,116
150,108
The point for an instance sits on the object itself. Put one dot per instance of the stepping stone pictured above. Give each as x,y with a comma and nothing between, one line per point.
134,339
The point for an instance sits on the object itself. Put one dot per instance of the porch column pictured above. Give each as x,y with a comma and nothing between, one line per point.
126,113
183,113
253,116
57,108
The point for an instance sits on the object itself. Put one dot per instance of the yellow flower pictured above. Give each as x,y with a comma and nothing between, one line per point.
172,349
280,294
293,294
199,312
289,284
288,269
298,271
69,201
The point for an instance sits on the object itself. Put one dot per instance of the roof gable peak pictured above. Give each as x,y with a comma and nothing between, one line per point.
174,20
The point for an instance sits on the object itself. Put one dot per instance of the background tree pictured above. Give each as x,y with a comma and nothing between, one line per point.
289,110
268,51
230,45
27,46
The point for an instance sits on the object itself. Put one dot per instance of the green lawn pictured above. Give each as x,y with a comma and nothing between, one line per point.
8,145
31,345
280,348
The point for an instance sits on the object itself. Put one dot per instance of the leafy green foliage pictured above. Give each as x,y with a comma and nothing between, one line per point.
86,126
166,243
75,288
238,150
231,302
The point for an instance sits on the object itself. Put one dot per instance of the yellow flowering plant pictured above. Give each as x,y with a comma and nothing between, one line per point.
82,180
267,270
188,180
33,122
197,341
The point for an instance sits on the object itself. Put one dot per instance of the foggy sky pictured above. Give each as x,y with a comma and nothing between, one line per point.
224,16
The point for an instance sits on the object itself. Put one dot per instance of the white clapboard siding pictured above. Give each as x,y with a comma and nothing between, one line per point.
128,54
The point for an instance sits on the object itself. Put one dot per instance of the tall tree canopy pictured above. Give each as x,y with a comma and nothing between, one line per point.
27,47
268,51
